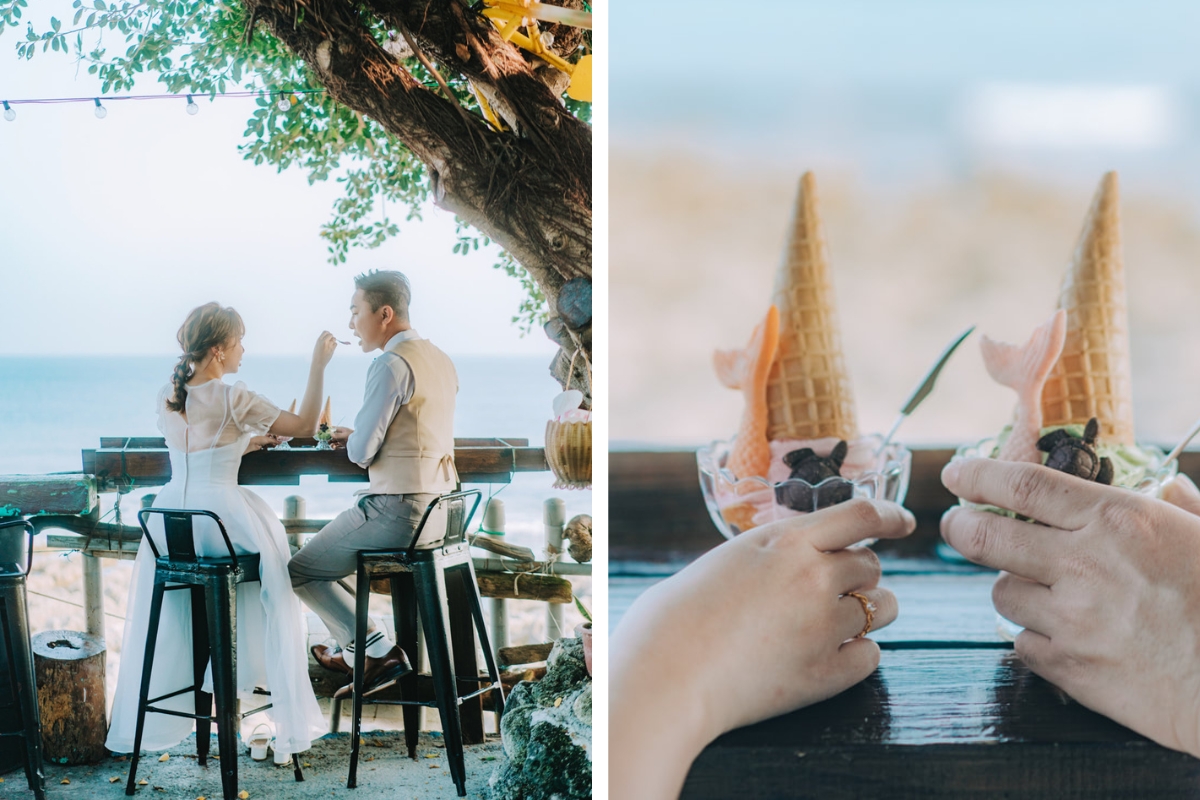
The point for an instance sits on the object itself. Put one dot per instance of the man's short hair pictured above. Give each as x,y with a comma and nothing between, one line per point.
383,287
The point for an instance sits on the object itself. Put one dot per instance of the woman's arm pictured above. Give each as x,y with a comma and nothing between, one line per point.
757,627
305,423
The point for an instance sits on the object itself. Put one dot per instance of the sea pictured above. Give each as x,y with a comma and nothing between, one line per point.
52,408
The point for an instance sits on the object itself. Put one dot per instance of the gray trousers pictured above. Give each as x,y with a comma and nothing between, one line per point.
378,522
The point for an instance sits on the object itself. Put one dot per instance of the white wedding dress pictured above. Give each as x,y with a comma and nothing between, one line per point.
206,446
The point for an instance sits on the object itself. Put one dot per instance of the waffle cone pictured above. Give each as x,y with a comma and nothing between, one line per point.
1092,376
808,391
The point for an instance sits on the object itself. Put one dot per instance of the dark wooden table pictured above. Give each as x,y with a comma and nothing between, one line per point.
950,713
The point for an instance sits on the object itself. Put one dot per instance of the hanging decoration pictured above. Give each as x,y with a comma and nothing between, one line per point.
285,100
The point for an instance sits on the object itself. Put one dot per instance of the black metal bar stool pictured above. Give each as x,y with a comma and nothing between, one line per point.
212,583
14,623
418,582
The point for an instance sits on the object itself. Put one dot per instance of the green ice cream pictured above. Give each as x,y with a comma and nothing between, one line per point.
1132,465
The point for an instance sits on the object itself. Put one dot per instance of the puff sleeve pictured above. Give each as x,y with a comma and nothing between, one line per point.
251,412
160,408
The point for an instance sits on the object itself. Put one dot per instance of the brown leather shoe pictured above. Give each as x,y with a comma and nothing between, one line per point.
379,675
331,659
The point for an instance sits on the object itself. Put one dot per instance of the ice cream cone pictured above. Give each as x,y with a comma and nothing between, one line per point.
808,391
1092,376
292,407
326,413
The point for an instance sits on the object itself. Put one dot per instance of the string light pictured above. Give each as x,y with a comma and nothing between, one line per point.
284,102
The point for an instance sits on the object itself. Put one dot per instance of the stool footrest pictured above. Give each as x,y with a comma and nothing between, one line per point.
170,713
172,694
152,710
476,693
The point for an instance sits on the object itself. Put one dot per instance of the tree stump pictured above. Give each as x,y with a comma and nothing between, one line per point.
70,684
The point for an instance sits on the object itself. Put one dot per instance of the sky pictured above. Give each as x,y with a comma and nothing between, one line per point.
112,229
919,90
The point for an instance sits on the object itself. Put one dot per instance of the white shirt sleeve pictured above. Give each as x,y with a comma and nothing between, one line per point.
389,385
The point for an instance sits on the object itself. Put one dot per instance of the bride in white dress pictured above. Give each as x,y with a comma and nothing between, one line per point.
209,425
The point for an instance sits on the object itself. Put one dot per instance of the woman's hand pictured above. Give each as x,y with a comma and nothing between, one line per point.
755,628
1106,588
323,351
260,443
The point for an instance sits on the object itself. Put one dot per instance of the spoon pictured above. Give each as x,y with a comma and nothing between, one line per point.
339,341
926,386
1174,454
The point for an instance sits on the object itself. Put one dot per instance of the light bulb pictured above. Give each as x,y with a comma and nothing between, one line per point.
192,108
284,104
10,114
101,111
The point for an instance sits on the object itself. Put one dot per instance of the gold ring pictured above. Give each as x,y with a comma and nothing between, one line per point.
869,608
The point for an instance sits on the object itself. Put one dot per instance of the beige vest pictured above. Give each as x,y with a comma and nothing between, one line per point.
417,455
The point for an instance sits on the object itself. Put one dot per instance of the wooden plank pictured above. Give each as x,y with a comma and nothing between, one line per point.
945,772
325,683
101,548
25,495
524,654
502,548
655,508
524,586
944,724
126,468
658,515
934,608
507,585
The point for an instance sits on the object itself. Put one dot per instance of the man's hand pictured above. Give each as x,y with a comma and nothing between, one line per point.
1106,588
340,435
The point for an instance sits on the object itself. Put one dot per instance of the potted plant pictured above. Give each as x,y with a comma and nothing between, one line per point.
584,631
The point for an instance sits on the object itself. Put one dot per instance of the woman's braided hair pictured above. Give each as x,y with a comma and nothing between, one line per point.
208,326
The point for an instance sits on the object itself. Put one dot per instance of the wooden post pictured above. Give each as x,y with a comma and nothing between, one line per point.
93,597
494,524
554,517
70,686
295,507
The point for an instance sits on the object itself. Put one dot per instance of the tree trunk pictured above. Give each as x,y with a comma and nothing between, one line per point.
70,685
527,188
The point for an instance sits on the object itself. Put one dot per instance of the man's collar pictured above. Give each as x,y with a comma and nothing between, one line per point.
402,336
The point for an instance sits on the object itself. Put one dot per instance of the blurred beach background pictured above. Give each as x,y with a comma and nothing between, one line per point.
956,147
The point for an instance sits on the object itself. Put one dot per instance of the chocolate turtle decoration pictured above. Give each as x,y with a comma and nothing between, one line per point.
1076,456
811,468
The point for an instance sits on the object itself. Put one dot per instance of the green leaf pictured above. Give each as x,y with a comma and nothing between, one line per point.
582,608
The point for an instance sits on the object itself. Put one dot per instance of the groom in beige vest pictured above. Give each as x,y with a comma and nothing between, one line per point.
404,437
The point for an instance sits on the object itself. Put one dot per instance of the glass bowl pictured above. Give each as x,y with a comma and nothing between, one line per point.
1156,475
758,505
